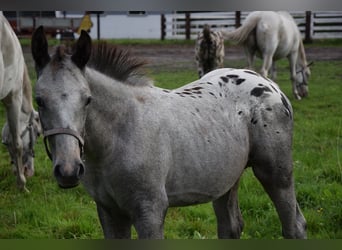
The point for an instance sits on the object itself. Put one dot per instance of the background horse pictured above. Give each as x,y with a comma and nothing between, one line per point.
209,50
272,36
22,127
146,148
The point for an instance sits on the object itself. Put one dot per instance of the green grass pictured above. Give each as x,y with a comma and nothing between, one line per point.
133,41
49,212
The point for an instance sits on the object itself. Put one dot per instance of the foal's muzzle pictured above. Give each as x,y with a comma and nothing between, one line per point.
65,131
68,174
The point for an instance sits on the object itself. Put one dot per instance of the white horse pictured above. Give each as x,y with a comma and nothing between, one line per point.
272,36
22,127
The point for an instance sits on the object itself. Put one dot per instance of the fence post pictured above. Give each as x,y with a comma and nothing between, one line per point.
237,19
163,26
308,20
187,26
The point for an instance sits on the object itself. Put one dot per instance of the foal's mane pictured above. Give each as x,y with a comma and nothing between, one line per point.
110,60
117,63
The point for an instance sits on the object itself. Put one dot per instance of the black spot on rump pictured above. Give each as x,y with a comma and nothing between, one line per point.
235,78
239,81
258,91
274,88
286,104
197,88
251,72
225,79
212,94
232,76
254,121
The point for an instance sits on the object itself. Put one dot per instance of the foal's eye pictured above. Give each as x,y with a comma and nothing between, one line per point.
40,102
88,100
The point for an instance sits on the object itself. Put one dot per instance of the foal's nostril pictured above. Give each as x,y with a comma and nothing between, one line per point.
76,172
57,171
69,175
81,170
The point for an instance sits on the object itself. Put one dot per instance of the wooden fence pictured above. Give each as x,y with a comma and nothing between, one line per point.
312,24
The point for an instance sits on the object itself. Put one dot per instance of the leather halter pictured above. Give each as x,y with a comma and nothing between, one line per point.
65,131
304,83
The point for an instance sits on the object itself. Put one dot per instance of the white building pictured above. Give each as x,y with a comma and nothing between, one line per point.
124,24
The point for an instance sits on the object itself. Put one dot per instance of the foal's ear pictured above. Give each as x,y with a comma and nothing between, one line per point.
82,51
39,48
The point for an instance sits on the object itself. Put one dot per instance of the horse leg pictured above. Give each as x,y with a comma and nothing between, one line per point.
228,214
149,215
250,54
292,60
266,64
13,110
276,177
115,224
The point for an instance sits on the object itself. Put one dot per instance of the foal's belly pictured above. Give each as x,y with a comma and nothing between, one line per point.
206,181
190,198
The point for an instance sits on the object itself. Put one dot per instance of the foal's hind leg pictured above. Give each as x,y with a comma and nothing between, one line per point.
228,214
276,177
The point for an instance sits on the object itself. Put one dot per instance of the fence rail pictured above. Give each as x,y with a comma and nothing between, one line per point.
312,24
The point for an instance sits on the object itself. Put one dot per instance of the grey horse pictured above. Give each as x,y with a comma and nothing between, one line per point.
139,149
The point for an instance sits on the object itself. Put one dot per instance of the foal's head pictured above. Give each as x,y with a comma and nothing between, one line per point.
62,96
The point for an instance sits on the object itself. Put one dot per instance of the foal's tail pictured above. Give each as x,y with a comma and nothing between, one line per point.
241,34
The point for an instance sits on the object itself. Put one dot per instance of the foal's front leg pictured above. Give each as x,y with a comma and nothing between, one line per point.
149,216
115,224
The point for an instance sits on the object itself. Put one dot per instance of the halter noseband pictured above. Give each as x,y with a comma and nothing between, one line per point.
66,131
302,72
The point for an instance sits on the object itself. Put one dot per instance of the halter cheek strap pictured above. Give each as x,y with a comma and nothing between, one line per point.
29,129
65,131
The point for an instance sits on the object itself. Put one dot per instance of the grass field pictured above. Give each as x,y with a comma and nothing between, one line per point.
49,212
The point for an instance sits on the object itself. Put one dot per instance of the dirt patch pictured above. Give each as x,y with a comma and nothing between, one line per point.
175,57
